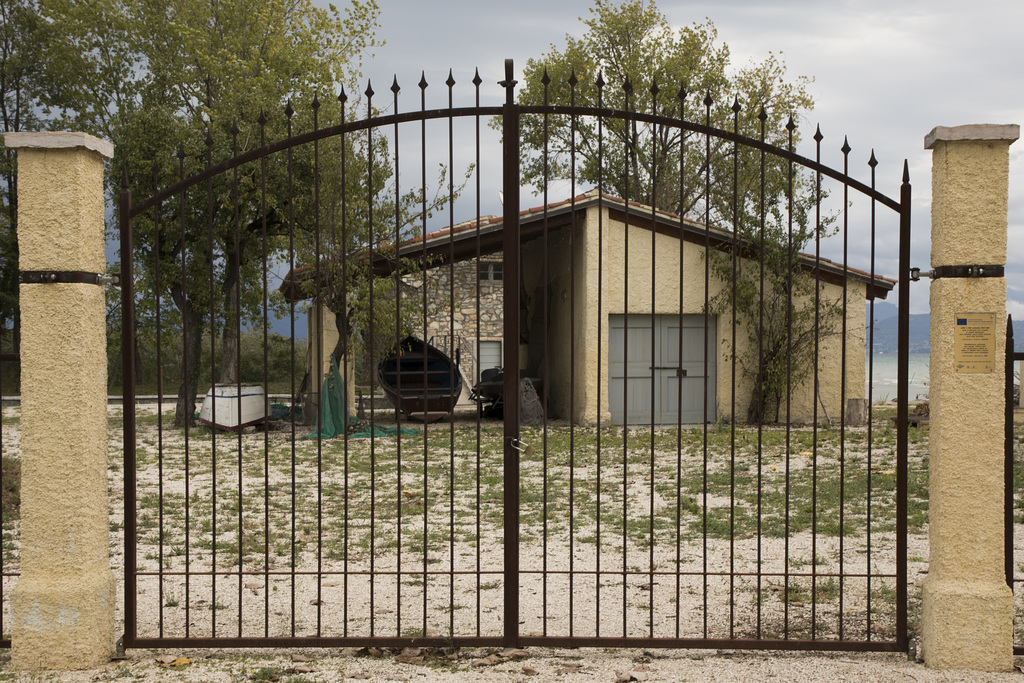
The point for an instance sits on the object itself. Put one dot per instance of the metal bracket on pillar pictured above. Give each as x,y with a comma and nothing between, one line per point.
940,272
119,650
74,277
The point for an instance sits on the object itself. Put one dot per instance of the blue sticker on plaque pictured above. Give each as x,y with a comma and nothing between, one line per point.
961,321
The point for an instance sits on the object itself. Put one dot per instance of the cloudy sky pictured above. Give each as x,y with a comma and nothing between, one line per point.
884,73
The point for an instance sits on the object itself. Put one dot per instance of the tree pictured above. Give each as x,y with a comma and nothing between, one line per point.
629,58
23,43
781,307
355,269
633,44
187,84
50,81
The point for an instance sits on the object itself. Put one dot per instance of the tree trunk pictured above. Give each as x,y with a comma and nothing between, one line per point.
755,411
229,335
114,369
139,378
192,340
344,344
229,355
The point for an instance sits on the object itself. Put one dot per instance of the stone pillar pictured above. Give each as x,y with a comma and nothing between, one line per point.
967,620
62,607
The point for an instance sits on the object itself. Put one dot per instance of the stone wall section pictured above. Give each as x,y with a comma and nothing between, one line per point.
452,296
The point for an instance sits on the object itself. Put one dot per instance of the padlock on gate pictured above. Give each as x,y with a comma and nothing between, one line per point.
522,447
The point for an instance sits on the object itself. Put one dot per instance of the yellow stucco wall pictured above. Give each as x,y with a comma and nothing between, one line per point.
967,609
969,193
965,586
62,607
60,233
653,285
832,395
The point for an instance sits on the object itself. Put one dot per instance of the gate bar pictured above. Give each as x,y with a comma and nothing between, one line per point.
1012,356
902,410
510,311
128,407
1008,453
510,635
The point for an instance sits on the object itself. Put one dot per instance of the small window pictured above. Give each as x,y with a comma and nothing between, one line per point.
488,355
490,271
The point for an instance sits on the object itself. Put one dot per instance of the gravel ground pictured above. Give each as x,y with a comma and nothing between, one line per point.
309,606
298,666
538,665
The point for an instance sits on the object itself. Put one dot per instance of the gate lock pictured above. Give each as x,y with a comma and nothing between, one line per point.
679,372
522,447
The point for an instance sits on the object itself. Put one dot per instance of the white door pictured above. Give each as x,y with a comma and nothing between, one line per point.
658,369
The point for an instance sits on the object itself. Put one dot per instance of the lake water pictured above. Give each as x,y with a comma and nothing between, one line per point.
885,376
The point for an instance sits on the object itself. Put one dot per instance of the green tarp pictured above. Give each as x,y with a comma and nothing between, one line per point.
279,411
363,431
335,418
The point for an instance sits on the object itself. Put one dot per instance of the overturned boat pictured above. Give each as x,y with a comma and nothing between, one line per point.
420,380
232,407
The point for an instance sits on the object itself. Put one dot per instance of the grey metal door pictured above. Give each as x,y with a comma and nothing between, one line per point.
658,370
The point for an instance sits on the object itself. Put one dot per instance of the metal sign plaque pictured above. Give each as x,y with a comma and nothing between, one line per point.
974,342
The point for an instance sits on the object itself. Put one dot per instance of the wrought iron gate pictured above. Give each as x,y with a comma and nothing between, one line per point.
791,533
1012,474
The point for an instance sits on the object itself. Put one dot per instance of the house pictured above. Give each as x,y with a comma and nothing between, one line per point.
610,293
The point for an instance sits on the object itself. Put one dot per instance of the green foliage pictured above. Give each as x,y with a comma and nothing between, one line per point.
183,85
151,375
180,86
10,495
365,214
633,43
24,44
779,305
647,67
359,216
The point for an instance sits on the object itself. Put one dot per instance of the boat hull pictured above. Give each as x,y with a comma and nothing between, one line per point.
420,380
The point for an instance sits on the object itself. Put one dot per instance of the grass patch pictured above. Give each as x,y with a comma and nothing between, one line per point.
10,493
418,496
431,506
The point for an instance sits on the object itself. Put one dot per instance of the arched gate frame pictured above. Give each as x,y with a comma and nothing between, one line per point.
569,533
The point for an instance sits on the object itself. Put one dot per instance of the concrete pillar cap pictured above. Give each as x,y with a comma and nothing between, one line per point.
974,131
58,140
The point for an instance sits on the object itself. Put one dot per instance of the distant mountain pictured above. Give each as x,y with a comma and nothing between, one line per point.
887,330
886,333
883,310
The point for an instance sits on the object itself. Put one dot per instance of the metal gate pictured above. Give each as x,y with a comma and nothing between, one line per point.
1012,473
789,531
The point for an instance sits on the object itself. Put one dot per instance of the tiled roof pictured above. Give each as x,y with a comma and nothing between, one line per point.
484,236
